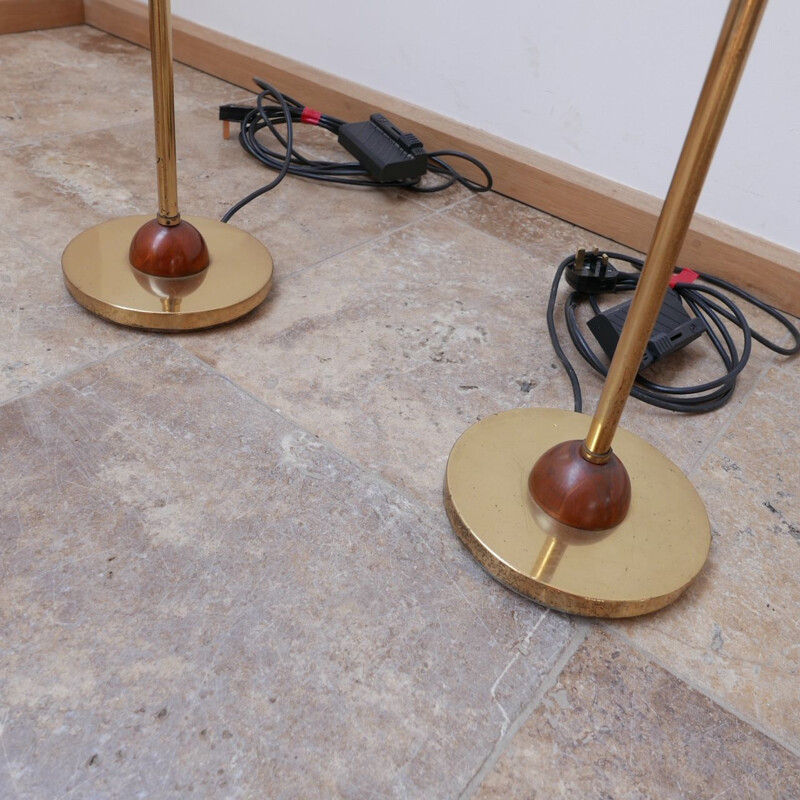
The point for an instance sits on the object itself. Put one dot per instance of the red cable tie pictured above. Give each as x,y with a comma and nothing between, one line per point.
684,276
310,117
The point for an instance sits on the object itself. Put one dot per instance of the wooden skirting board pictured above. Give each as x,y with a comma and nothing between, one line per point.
27,15
600,205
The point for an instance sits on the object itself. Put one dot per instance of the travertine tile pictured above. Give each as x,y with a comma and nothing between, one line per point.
55,191
60,184
85,180
199,599
394,349
531,230
737,632
45,332
617,726
74,80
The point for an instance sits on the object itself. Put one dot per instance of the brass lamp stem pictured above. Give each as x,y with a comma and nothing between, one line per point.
164,109
725,70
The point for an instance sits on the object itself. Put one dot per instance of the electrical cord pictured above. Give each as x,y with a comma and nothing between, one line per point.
289,161
707,303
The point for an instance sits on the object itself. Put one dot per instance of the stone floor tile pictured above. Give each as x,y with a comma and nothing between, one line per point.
394,349
737,632
84,180
199,599
55,191
181,608
546,237
45,332
70,80
615,725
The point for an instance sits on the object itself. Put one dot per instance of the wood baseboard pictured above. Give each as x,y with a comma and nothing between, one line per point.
17,16
602,206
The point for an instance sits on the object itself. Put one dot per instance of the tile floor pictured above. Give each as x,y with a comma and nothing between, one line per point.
226,570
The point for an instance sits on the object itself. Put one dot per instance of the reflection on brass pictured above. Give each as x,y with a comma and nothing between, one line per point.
559,538
638,567
164,110
553,529
99,276
548,559
727,64
170,290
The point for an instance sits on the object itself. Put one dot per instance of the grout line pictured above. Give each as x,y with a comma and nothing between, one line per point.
50,32
70,372
424,512
417,502
431,213
147,119
794,749
583,627
530,250
154,338
412,196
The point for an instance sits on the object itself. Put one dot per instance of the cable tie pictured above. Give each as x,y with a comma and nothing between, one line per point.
310,117
684,276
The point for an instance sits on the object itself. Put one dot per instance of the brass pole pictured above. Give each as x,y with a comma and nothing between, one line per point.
725,70
164,110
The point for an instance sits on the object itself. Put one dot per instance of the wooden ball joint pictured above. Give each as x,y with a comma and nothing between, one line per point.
580,493
169,251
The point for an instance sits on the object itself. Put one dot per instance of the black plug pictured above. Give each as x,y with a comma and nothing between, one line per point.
386,152
674,328
231,112
590,273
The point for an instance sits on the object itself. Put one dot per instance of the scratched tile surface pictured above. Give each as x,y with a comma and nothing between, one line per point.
616,725
198,595
225,571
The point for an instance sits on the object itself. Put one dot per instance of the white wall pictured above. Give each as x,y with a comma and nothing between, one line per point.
607,85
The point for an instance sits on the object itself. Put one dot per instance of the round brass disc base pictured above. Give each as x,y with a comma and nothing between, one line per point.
99,276
641,565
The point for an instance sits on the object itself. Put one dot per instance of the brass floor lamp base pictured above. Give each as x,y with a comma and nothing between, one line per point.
99,276
640,566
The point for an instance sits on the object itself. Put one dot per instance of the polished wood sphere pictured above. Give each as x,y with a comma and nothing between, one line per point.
578,493
169,251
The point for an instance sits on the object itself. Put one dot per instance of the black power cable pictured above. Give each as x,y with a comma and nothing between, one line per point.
289,161
711,305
